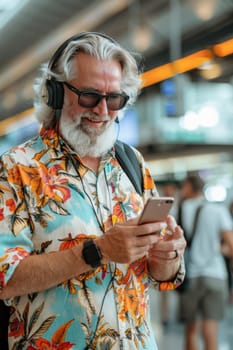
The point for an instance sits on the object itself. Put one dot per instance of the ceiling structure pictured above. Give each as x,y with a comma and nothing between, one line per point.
31,31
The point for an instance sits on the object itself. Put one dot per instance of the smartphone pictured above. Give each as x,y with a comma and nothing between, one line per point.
156,209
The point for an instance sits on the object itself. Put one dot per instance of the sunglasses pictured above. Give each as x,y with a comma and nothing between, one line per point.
90,99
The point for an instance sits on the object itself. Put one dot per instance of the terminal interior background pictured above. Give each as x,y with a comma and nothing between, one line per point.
183,119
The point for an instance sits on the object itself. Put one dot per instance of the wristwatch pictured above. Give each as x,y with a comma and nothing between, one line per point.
91,254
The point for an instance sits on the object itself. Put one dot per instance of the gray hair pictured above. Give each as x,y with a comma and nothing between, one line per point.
63,70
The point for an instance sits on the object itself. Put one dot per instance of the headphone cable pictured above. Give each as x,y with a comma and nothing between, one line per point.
87,347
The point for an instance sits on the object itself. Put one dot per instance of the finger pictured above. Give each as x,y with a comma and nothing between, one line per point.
147,240
176,233
164,255
171,223
170,243
150,228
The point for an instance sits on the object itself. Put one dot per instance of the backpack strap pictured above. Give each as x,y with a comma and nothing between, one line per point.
127,159
197,213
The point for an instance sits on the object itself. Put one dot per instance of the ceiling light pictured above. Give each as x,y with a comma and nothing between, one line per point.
215,193
189,121
208,116
142,37
204,9
212,71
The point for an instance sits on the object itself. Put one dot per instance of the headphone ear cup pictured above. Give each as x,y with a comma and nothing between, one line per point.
55,94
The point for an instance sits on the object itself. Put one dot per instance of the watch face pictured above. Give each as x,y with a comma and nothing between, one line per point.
91,254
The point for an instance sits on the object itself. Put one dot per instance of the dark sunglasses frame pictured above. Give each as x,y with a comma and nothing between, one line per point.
123,97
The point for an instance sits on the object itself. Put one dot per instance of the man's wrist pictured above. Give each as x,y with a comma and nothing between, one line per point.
164,271
100,242
177,278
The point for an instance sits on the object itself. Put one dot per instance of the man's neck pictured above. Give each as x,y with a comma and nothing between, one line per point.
91,162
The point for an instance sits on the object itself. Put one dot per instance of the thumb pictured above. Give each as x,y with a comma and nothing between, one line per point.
171,223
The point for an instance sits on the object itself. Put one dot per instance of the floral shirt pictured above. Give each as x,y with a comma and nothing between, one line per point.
50,201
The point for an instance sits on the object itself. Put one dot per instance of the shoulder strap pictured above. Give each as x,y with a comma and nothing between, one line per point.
189,242
179,220
129,163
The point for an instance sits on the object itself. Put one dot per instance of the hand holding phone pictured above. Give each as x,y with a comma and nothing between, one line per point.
156,209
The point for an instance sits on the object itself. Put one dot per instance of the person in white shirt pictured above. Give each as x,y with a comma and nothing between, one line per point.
206,270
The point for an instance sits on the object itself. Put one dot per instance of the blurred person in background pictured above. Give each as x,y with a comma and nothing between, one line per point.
75,266
229,260
204,301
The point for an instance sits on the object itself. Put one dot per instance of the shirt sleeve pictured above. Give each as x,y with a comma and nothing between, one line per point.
173,284
15,231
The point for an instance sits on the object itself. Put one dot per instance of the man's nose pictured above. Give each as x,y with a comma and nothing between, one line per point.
101,108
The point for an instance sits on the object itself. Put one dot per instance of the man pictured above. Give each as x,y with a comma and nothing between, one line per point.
206,295
75,266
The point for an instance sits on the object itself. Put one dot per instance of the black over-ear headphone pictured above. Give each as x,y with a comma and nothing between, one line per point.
55,89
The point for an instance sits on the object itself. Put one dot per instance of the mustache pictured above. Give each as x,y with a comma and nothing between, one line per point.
95,117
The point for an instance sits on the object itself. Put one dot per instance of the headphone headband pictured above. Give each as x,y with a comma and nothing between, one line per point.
55,89
57,54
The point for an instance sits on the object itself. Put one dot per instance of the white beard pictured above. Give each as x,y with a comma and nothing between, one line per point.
87,141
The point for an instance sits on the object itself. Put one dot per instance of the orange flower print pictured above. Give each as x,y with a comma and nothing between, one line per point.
133,304
136,202
71,241
16,328
166,286
58,340
50,137
148,181
45,182
53,184
114,162
11,204
118,215
137,268
43,344
2,214
14,176
4,188
132,300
